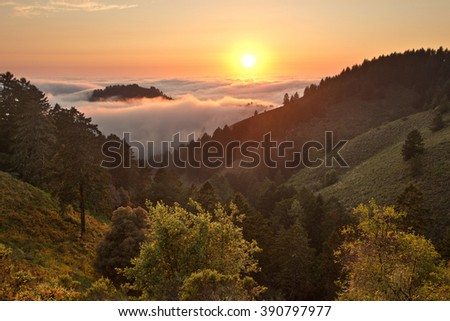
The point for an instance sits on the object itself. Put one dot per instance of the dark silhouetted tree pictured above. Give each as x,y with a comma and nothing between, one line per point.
207,196
293,270
122,242
413,145
286,99
26,130
411,202
167,187
79,179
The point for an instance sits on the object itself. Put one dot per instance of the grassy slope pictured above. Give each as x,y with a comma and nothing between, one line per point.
378,171
45,242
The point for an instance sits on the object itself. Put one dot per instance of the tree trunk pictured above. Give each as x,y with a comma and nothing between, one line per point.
82,210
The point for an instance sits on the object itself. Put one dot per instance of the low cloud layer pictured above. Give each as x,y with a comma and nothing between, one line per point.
199,105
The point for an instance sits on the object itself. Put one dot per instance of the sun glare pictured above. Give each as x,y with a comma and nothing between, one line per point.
248,60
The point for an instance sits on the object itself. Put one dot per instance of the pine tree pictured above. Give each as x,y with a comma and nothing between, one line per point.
293,270
79,179
286,99
411,202
33,143
167,187
207,196
413,145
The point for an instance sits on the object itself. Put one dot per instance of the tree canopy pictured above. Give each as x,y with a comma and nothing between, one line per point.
183,243
383,262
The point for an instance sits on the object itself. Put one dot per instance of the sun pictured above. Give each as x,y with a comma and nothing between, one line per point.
248,60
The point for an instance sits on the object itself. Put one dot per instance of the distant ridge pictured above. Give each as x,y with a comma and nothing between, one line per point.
361,97
126,92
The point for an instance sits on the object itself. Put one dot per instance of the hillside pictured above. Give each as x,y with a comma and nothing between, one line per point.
377,169
44,242
358,99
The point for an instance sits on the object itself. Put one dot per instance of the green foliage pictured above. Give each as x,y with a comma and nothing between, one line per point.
19,284
183,242
210,285
293,263
438,287
207,196
26,130
167,187
103,290
413,145
6,268
122,242
382,262
79,179
378,170
33,143
411,201
257,228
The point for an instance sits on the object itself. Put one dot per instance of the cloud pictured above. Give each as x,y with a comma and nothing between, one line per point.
199,106
36,8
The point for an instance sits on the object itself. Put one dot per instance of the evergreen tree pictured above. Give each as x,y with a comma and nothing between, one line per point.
207,196
26,130
167,187
411,202
79,179
286,99
33,143
413,145
256,227
293,270
9,101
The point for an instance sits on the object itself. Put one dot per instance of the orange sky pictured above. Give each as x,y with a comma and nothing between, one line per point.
195,38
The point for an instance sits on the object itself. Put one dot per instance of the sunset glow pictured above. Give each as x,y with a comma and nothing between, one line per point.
209,38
